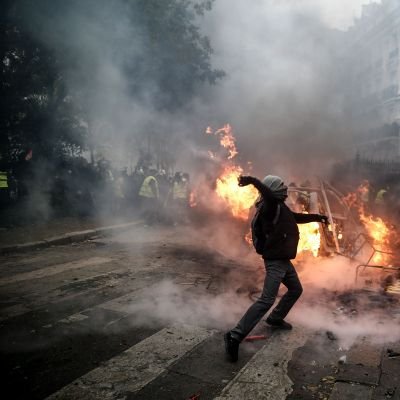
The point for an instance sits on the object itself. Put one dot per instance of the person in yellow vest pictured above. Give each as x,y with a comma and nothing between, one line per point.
149,196
3,180
380,201
4,189
380,197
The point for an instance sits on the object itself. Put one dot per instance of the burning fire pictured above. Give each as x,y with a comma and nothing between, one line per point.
227,140
376,228
379,233
240,199
310,238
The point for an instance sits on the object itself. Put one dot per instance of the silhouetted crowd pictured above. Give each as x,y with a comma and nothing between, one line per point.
82,189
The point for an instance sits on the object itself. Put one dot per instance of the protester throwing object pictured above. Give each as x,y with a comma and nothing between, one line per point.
275,236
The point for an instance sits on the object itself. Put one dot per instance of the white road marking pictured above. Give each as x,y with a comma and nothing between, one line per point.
54,269
133,369
265,375
36,303
74,318
123,304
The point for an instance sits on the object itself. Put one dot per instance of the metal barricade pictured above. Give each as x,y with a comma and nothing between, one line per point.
364,266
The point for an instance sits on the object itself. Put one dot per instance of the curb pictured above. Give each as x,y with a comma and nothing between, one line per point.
67,238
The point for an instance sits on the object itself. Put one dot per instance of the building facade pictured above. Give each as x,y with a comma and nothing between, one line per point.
374,63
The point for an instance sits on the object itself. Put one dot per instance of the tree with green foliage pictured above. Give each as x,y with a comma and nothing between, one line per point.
65,64
36,112
176,55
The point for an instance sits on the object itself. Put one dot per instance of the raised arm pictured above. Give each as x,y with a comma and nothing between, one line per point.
265,192
306,218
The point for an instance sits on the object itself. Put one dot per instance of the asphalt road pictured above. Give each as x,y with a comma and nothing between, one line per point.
141,316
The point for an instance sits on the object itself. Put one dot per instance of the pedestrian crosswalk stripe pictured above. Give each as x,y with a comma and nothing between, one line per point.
133,369
74,318
123,305
37,302
265,375
54,269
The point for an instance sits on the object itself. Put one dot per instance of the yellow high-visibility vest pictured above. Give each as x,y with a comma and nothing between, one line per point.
3,180
180,190
380,196
146,190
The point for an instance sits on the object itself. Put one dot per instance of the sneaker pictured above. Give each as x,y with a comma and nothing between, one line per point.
231,347
278,323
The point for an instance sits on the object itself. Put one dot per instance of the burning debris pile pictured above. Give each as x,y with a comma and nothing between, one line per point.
377,246
353,231
379,234
239,201
328,254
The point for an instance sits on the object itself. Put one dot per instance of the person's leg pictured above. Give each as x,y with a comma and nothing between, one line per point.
154,211
275,272
292,282
274,275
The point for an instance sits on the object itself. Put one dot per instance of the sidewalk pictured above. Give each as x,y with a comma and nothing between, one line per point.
321,369
59,231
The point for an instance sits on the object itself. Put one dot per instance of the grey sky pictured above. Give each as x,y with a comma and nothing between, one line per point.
335,13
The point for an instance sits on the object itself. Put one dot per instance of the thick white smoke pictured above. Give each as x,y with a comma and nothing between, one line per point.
331,302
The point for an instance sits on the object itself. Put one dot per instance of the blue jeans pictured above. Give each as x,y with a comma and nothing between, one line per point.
277,272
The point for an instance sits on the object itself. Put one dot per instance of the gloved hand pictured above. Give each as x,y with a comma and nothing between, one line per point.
245,180
324,219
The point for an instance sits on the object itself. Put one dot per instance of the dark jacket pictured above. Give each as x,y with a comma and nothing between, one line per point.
282,237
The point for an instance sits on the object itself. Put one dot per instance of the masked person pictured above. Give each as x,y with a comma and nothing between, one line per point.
276,240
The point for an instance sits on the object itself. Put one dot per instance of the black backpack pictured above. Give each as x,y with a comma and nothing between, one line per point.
258,235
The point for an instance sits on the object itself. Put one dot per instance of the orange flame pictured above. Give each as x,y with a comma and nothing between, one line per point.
310,238
239,199
227,140
379,233
376,228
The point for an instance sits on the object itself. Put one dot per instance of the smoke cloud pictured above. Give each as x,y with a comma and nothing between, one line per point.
331,302
97,44
284,94
334,300
286,88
